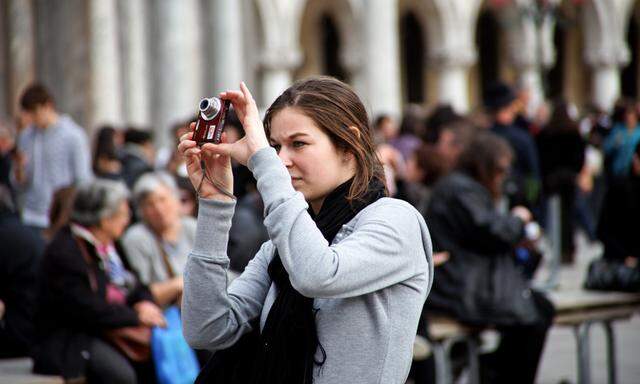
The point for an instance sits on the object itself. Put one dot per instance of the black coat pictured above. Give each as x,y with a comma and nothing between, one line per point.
20,252
480,284
561,160
69,312
618,224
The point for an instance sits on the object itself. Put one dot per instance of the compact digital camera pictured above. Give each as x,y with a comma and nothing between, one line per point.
210,123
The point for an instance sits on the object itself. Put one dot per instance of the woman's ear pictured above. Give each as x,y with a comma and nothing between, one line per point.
355,131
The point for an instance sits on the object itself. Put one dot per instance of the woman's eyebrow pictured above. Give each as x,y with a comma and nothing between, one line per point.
291,137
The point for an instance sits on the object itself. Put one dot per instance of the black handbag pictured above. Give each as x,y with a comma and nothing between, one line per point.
612,275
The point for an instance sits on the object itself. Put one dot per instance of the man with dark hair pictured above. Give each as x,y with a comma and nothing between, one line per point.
138,155
52,152
524,183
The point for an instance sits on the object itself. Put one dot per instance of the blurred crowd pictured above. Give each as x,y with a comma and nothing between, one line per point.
95,234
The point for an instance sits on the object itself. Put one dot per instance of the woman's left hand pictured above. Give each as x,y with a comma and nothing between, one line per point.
255,137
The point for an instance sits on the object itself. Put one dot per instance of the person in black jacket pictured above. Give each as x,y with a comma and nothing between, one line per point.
524,179
19,257
86,290
561,149
481,283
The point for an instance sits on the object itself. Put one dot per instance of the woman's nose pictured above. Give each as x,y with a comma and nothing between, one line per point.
284,157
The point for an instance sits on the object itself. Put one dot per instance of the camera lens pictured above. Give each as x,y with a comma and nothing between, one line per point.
210,107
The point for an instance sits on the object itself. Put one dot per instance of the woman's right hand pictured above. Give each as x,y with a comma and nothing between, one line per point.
217,167
150,314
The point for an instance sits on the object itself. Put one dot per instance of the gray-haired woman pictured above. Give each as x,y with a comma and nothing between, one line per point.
158,246
86,290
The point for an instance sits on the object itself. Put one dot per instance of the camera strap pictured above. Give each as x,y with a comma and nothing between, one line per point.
205,174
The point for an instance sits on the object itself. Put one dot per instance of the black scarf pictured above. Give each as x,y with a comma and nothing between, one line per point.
285,350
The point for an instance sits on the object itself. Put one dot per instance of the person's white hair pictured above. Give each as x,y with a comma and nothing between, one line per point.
96,200
149,183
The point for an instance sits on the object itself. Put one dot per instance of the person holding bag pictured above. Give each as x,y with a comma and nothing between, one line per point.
336,293
94,316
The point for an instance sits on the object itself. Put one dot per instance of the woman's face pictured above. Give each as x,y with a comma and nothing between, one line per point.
315,164
114,226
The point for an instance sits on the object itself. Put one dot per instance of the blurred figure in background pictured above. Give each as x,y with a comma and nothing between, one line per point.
441,116
53,152
618,225
385,129
87,291
19,259
620,143
524,182
481,284
562,149
106,161
158,246
138,155
7,151
411,129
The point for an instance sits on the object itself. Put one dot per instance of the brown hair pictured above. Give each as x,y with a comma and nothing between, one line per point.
481,158
34,96
334,107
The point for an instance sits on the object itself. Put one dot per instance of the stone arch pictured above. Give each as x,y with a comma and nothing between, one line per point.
321,21
491,44
412,58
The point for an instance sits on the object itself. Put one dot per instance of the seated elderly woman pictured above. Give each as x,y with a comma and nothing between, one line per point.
158,246
87,293
481,283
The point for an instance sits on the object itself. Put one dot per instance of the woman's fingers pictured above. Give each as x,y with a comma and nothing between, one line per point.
217,149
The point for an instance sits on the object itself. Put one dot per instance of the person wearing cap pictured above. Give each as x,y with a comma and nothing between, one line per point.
525,178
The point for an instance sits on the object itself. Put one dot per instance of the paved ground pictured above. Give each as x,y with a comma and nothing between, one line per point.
559,358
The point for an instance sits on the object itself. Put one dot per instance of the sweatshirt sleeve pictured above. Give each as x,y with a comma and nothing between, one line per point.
214,315
385,247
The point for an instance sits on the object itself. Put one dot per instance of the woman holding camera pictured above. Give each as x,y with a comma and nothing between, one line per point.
337,291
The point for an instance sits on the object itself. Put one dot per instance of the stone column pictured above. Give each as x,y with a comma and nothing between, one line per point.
453,86
530,37
452,49
21,56
225,46
276,67
381,71
178,81
280,54
135,53
605,47
104,58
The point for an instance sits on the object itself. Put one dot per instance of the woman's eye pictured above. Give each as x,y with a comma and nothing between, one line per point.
298,144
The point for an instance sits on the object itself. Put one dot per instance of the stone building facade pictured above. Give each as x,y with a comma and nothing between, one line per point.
148,62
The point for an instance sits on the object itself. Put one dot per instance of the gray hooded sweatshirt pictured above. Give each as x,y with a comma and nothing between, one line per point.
369,285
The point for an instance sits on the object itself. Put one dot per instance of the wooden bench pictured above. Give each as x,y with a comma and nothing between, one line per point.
18,371
579,309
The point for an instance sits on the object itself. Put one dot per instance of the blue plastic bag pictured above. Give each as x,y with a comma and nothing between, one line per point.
174,360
